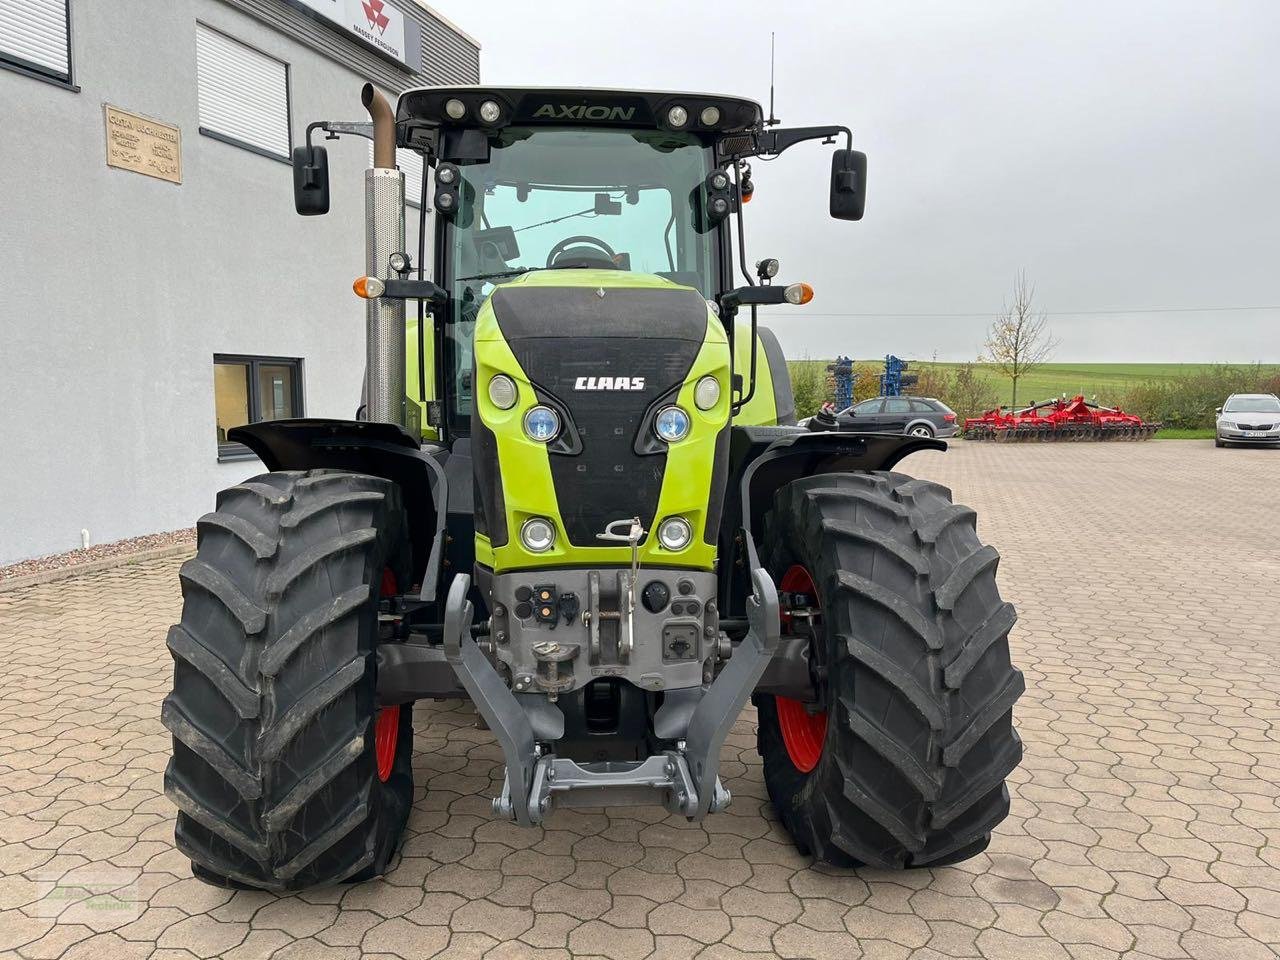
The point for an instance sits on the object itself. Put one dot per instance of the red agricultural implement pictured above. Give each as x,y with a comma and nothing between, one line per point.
1074,419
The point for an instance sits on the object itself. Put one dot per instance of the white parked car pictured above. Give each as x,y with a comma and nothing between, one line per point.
1249,418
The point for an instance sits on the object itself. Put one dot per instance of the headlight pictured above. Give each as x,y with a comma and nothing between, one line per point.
538,535
490,111
455,108
677,116
542,424
1226,425
502,391
671,424
674,533
710,116
707,393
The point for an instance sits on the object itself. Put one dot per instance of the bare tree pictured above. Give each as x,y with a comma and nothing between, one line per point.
1019,339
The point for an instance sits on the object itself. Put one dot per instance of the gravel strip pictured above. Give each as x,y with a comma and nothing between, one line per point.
102,551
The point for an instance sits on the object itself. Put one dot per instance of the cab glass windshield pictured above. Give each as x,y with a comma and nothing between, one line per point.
568,199
1262,404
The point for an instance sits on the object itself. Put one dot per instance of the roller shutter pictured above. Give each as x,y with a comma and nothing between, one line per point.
244,94
33,33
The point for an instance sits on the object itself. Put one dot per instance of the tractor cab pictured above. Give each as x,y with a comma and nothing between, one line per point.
529,179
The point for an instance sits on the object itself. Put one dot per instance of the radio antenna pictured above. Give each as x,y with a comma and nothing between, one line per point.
772,121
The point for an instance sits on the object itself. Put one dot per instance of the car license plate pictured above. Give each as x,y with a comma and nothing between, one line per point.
1253,433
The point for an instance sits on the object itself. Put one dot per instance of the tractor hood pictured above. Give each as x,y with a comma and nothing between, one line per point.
608,304
606,350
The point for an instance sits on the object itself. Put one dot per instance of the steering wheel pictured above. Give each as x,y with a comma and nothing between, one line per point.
583,258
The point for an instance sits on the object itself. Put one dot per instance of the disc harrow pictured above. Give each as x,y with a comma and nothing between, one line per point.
1059,420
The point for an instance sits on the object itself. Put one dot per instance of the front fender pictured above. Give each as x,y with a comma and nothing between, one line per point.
763,459
379,449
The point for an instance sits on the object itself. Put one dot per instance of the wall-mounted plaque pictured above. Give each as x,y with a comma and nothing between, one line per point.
143,145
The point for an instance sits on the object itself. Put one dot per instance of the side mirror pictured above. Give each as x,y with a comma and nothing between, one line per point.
848,184
1217,409
310,180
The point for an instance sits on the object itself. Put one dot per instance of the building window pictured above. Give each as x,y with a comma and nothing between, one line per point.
243,94
35,37
250,390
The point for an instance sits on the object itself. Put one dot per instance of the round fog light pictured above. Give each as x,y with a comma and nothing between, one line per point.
538,535
489,111
677,116
707,393
671,424
541,424
502,391
675,533
455,108
710,116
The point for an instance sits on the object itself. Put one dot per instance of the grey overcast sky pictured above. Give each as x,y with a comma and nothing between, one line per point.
1126,154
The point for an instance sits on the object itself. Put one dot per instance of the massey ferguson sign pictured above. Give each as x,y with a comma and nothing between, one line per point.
376,22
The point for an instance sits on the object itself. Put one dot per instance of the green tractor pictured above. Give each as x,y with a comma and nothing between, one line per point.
574,493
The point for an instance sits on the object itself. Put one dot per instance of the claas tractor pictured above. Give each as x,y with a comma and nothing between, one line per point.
574,494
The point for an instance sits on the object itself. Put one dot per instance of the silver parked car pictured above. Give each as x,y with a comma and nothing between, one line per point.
1249,418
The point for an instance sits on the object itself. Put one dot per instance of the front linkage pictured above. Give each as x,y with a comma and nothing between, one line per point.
684,780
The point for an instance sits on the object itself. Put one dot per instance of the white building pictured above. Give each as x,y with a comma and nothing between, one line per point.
156,286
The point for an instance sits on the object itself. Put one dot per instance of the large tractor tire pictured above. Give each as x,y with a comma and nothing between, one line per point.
284,771
906,766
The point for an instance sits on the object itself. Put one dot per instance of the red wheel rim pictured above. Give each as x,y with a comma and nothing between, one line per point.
388,587
803,732
386,727
386,731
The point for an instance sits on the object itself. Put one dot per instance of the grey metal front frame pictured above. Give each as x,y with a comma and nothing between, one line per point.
685,780
650,666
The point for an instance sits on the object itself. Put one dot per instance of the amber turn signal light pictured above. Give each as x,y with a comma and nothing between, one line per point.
368,288
799,293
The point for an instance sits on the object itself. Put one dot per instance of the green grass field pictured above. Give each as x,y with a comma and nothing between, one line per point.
1171,433
1107,381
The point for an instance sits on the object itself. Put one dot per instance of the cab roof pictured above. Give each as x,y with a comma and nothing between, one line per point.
423,111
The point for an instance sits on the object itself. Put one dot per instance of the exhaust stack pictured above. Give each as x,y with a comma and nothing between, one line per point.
384,381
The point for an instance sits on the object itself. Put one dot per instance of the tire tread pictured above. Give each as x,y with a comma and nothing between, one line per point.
274,779
920,738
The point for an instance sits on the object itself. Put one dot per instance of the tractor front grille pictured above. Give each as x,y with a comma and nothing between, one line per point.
567,339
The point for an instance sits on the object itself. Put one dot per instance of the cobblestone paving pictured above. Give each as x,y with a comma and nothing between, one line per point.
1145,818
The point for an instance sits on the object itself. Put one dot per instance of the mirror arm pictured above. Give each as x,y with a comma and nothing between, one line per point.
333,128
770,143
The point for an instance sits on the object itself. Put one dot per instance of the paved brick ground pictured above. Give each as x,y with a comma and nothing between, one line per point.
1145,819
